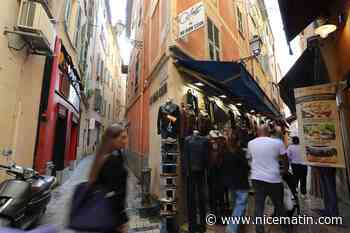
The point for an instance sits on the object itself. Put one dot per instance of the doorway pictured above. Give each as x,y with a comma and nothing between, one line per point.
59,147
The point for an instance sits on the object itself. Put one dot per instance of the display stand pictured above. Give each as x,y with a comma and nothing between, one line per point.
168,174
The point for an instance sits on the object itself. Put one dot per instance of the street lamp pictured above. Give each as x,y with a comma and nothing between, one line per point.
324,27
119,27
255,45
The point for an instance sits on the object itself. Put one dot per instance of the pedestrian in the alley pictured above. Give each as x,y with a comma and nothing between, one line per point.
234,176
265,174
297,163
108,170
103,206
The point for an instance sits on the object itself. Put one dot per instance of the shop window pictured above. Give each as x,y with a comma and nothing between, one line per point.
240,24
213,41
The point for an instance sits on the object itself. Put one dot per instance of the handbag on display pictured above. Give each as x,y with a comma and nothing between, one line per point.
92,209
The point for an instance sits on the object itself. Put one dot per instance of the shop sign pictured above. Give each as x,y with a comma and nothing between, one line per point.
92,123
319,126
159,93
191,19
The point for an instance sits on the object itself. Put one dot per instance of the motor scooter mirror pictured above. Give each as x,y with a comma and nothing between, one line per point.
7,152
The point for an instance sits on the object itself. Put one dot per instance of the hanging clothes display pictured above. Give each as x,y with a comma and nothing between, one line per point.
168,122
204,123
216,191
188,121
209,107
195,159
192,101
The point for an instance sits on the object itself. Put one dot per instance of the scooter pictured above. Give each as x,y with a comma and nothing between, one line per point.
23,198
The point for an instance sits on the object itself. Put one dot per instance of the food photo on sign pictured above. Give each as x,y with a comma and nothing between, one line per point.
319,122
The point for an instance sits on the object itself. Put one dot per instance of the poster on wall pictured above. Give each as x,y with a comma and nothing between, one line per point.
319,126
191,19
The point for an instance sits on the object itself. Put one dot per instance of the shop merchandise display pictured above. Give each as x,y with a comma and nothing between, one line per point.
195,159
168,167
188,120
168,122
192,101
204,123
215,190
194,132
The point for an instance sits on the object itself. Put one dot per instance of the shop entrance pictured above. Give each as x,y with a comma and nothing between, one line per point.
59,144
73,142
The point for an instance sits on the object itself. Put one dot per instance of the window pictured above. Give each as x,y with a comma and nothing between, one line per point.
140,16
213,40
77,30
64,85
98,65
255,28
137,74
240,21
68,12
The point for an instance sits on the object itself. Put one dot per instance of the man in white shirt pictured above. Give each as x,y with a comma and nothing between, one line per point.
265,173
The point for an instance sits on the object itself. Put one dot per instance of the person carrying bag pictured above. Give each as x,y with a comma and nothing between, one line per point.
99,204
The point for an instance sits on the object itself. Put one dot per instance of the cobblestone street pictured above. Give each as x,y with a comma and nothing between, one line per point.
59,206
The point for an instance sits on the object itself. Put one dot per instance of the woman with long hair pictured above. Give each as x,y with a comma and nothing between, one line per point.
234,176
109,172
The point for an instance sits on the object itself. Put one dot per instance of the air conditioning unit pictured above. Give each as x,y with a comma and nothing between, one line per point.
35,26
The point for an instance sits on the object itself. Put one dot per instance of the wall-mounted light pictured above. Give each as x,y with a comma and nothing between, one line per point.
252,111
255,45
223,96
324,27
239,104
199,84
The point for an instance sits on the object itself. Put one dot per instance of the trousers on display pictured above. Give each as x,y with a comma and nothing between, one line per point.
196,201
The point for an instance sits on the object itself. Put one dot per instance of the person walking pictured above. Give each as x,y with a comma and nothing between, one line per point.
109,172
266,154
234,176
297,163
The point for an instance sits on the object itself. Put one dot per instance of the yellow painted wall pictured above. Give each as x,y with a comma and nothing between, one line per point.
21,77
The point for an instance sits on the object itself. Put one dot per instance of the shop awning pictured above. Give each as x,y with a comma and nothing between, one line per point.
298,14
308,70
235,79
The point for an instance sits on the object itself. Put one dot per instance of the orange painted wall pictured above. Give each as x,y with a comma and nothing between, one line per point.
196,42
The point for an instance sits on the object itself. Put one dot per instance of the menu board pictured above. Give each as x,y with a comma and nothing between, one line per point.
319,126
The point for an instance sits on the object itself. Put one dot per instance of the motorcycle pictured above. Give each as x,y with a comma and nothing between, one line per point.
24,198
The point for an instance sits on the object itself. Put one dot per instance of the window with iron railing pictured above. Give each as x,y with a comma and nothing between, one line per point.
240,23
98,100
213,41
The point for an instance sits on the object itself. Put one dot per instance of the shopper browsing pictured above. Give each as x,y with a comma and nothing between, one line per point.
234,176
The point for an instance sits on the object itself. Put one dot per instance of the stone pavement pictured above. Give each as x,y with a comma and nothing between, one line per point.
59,206
307,208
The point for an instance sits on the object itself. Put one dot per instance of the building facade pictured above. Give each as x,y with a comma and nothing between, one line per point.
104,85
225,35
49,77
